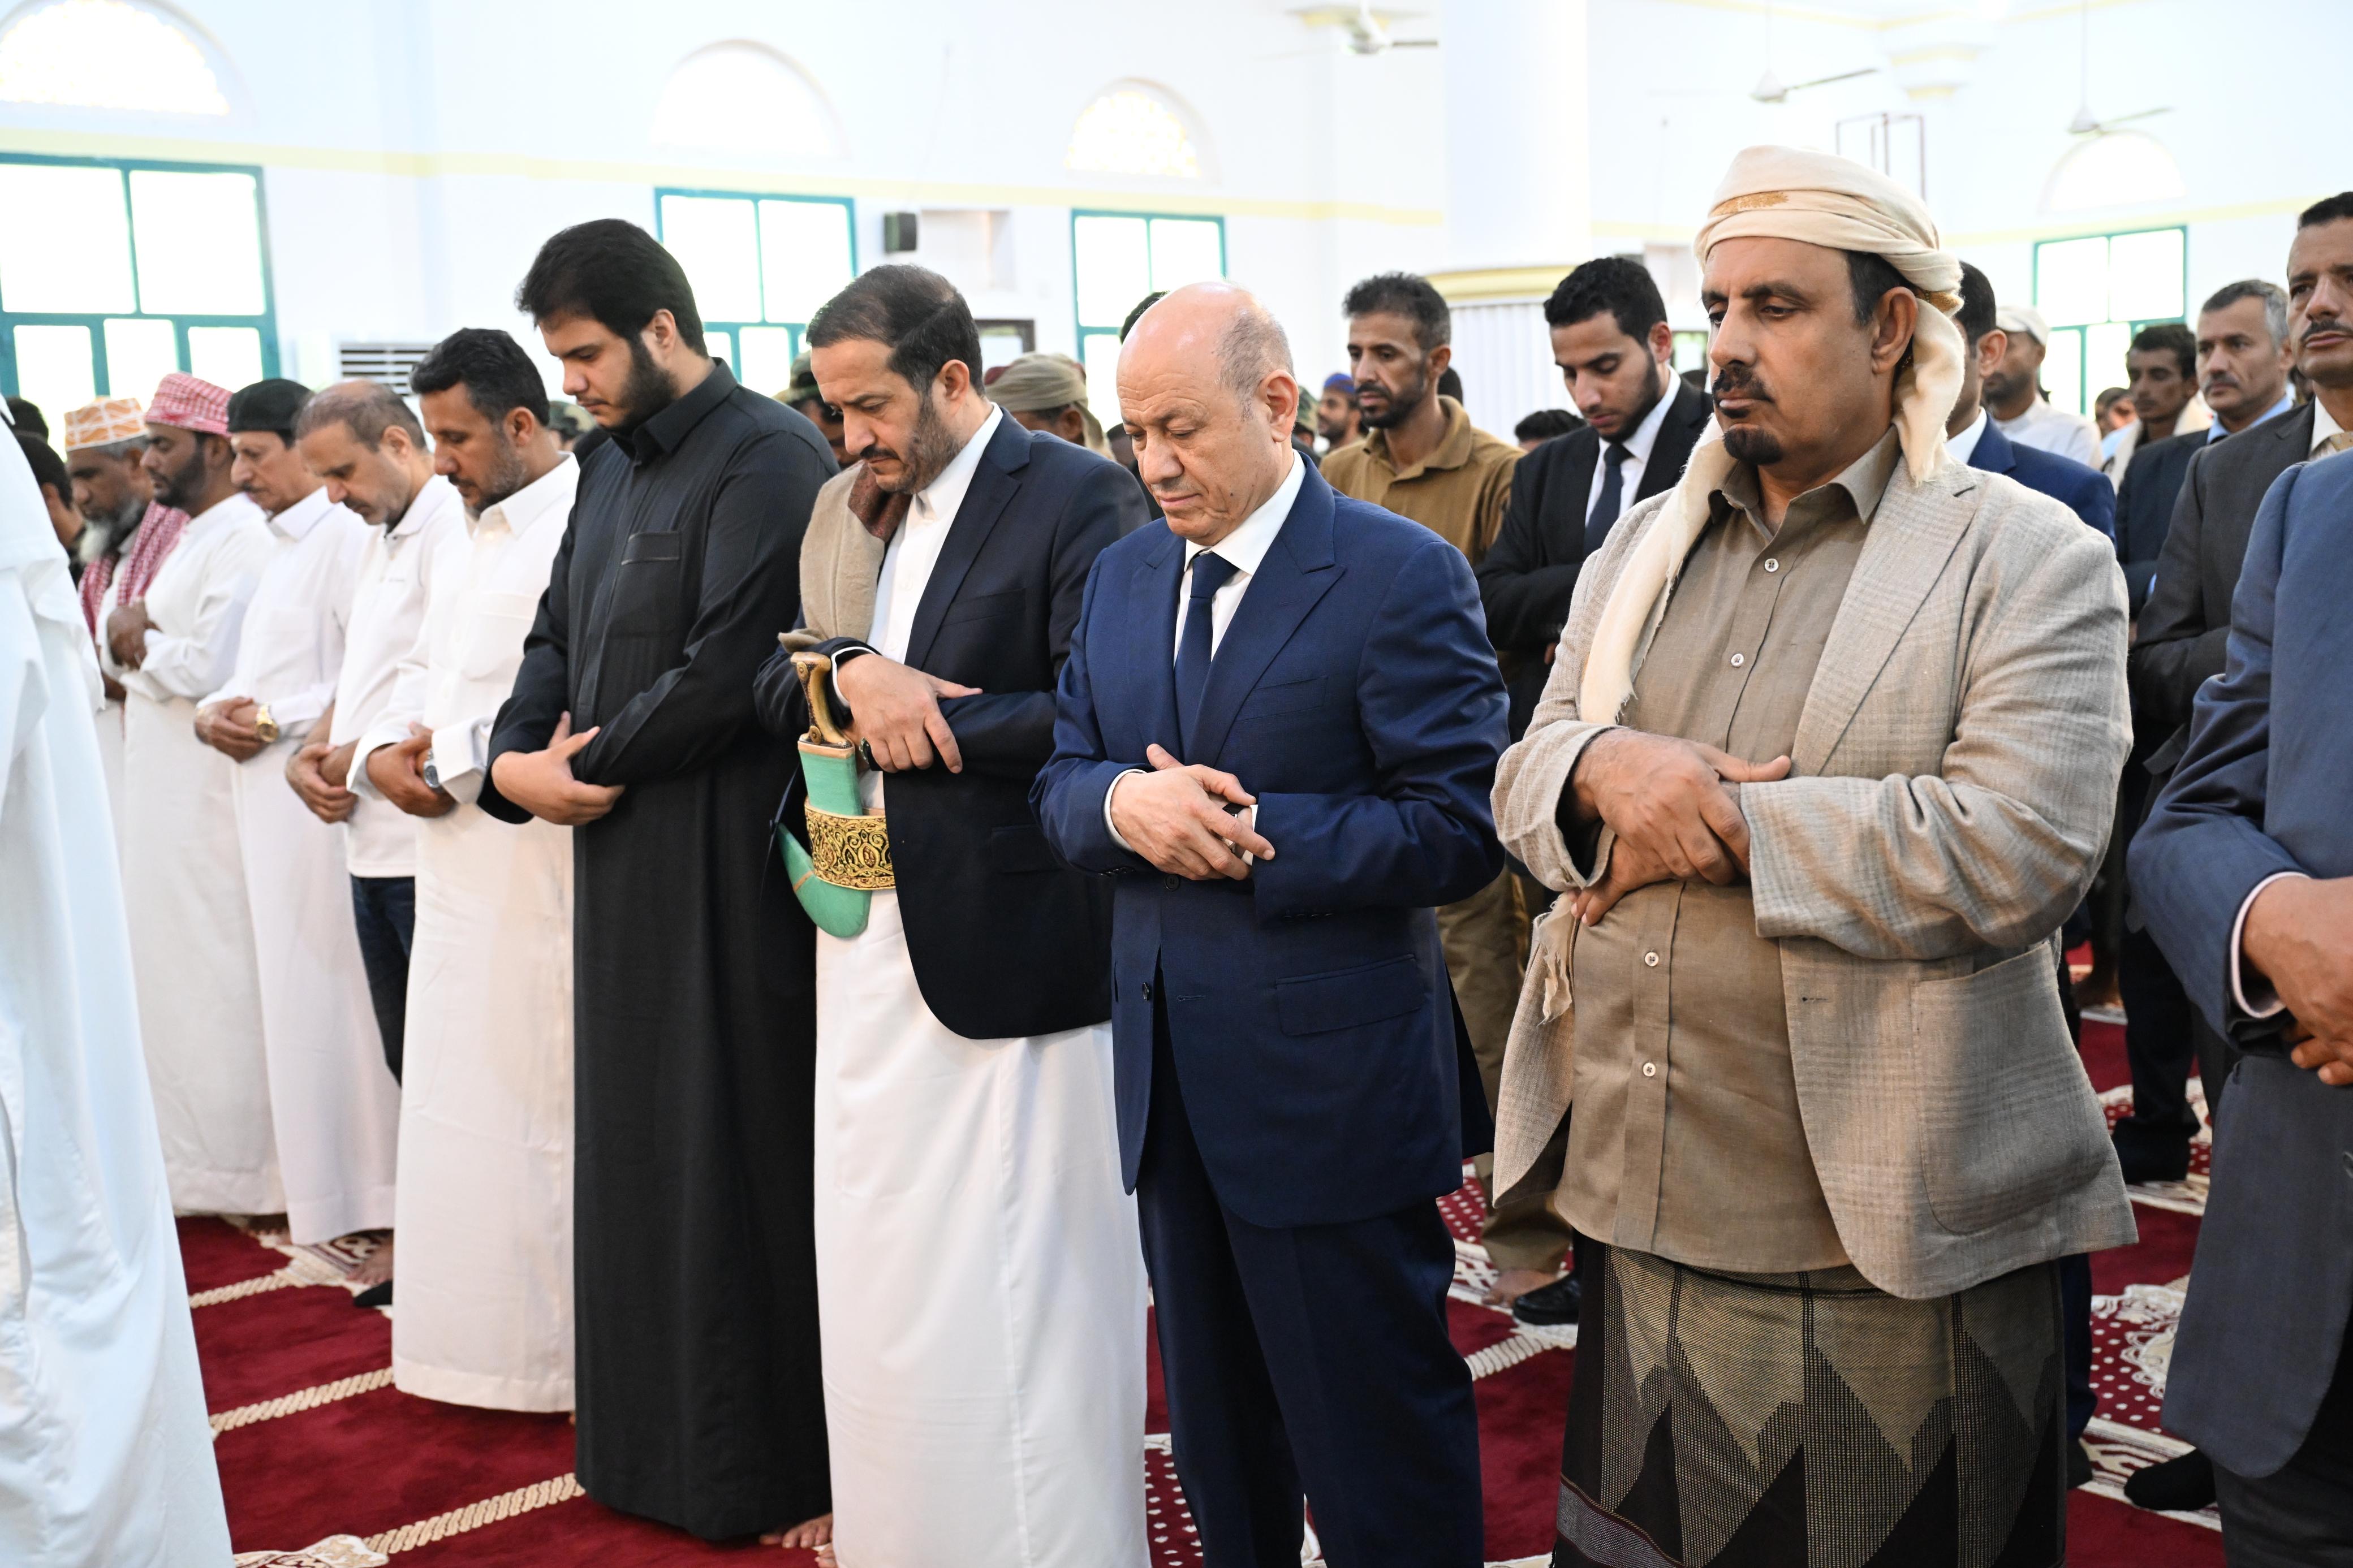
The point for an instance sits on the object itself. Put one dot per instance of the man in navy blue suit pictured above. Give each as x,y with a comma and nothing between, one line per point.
1277,728
2245,872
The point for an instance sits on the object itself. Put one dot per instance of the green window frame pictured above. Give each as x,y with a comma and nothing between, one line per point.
741,293
2086,334
1097,307
128,340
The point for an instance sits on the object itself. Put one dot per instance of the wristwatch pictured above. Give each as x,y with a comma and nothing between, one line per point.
432,773
264,725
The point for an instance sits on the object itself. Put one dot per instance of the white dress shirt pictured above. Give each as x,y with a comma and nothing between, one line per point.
197,602
387,613
292,646
489,576
1964,446
2047,429
1638,457
2324,425
1242,549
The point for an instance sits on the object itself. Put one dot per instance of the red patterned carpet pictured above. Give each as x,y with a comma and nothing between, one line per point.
324,1463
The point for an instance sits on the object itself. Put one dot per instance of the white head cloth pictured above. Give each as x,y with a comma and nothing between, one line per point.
1781,193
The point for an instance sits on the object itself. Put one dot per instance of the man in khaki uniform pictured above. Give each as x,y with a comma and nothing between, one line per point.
1828,752
1422,459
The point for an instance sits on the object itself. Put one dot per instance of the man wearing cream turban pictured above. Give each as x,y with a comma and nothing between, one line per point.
1827,755
1049,392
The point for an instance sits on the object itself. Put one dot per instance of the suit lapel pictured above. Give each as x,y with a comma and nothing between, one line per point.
993,484
1296,572
1152,631
1910,538
1678,434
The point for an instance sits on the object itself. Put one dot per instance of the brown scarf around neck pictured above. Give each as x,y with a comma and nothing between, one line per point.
881,511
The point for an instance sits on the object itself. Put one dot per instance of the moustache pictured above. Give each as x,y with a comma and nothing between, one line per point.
2322,324
875,449
1737,382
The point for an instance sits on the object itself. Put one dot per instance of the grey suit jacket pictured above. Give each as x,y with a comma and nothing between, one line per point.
2187,621
1952,791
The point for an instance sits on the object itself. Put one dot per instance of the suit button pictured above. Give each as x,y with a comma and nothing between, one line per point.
1171,881
1148,990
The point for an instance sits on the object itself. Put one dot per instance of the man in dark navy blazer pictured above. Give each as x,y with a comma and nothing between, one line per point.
2245,872
1979,442
1277,730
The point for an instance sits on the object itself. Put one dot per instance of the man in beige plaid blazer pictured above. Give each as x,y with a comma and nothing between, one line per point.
1828,753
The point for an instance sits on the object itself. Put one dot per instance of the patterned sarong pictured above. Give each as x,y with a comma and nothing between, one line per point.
1810,1421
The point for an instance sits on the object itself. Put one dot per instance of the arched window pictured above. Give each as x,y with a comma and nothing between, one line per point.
2118,168
1132,128
742,97
106,54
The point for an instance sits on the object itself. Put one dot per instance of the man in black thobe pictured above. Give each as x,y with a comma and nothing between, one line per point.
694,990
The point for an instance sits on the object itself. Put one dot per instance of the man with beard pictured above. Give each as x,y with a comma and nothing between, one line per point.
2161,363
182,870
1423,459
695,1284
1337,418
1616,354
1827,756
334,1107
2013,391
366,444
485,1203
964,1145
125,537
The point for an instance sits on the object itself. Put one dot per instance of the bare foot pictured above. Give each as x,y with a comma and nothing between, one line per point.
1514,1283
377,1266
809,1535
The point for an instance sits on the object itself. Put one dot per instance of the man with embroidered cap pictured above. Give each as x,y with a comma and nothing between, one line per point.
1826,757
126,535
335,1107
182,869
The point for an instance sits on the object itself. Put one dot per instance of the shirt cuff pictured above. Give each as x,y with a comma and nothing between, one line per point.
461,756
2264,1000
370,742
1109,826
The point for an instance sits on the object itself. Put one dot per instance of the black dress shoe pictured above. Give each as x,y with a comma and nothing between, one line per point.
2143,1163
375,1296
2078,1464
1549,1306
2183,1484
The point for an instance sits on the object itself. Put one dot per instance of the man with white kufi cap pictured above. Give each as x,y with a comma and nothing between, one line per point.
1827,756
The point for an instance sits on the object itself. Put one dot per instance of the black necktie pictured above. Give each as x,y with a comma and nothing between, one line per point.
1613,490
1210,572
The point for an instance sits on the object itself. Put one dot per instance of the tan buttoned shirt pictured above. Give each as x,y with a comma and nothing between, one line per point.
1686,1141
1458,493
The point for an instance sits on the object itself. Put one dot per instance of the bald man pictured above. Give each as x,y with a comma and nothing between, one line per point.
1277,729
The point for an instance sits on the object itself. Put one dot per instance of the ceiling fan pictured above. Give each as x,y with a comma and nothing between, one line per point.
2085,123
1771,89
1367,30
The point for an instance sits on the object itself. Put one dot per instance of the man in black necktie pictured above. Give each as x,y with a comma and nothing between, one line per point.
1611,339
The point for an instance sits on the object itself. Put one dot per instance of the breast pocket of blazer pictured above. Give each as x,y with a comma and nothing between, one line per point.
985,607
647,593
1285,699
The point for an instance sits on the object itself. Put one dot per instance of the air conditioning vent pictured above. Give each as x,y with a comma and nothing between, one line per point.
387,363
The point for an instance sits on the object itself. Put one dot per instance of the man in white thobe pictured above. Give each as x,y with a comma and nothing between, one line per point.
368,445
485,1211
183,871
105,1456
980,1286
128,536
335,1107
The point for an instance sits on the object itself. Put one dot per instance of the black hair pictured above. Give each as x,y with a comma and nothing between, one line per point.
1871,276
1977,307
912,310
1137,314
369,408
1407,294
48,468
1545,422
2168,335
1620,285
615,274
496,373
1449,384
2329,209
28,418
